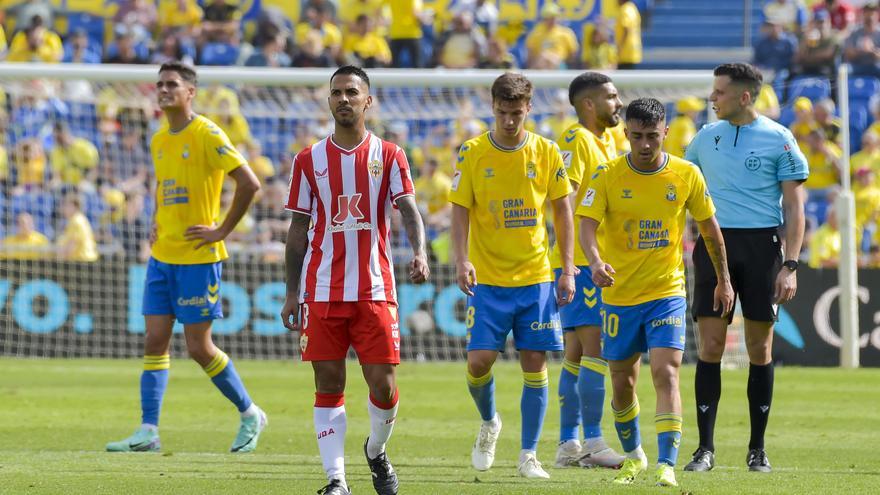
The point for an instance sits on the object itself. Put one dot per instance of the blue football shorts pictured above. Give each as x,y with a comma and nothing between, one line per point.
627,330
584,308
189,292
530,312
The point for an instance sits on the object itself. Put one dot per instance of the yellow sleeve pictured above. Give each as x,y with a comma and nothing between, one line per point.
559,182
699,203
55,50
595,201
219,151
461,192
332,35
533,40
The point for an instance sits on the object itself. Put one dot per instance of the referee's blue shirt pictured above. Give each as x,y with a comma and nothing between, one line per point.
743,166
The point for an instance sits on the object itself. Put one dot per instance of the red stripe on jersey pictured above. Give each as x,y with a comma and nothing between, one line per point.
320,220
389,155
337,266
364,237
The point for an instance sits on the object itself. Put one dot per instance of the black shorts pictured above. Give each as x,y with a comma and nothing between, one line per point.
754,257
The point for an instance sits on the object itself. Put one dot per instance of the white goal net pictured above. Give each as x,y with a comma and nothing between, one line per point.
82,132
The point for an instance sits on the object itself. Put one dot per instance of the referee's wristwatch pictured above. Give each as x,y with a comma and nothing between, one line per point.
792,265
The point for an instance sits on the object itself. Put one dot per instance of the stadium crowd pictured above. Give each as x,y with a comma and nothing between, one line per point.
75,165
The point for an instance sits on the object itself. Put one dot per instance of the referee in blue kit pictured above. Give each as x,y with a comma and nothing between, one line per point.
753,168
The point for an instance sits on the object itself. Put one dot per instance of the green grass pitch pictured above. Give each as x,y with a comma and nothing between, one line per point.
56,416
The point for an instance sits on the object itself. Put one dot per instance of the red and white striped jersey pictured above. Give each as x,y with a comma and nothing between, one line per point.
349,195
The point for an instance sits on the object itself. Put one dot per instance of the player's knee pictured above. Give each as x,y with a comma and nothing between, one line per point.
760,351
711,348
665,378
622,382
200,355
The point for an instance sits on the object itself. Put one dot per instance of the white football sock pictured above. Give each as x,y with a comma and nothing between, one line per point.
381,425
330,426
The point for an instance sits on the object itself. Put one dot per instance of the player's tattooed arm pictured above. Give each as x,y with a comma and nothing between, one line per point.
415,232
294,255
714,240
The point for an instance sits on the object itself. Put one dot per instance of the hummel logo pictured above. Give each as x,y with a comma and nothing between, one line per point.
569,139
764,409
704,408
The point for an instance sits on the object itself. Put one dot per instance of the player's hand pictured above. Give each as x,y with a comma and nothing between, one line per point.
785,287
603,274
723,298
466,276
207,235
418,269
154,234
289,313
565,288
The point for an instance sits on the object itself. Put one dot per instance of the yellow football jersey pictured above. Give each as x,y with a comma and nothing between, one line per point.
505,190
582,151
190,167
644,217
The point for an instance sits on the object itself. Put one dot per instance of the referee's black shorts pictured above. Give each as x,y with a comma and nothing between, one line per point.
754,257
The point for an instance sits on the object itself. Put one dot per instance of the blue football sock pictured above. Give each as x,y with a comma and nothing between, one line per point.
591,390
154,381
482,389
569,403
533,406
223,374
626,422
668,437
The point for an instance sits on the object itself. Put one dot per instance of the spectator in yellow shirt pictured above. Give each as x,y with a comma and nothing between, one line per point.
823,158
628,35
868,156
463,46
867,199
316,20
767,103
261,165
405,33
26,243
363,46
551,45
803,120
30,163
229,118
36,44
598,52
825,243
682,128
77,242
433,186
183,16
73,159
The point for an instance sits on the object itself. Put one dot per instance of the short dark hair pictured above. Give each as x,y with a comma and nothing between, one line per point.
742,73
186,72
585,81
511,86
352,70
646,111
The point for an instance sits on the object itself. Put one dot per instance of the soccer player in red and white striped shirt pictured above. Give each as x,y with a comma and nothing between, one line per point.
340,274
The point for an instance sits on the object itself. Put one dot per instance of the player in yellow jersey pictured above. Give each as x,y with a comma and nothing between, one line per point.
642,199
584,146
191,157
502,180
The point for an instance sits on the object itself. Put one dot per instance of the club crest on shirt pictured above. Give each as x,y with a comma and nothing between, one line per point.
375,168
531,170
670,192
185,153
